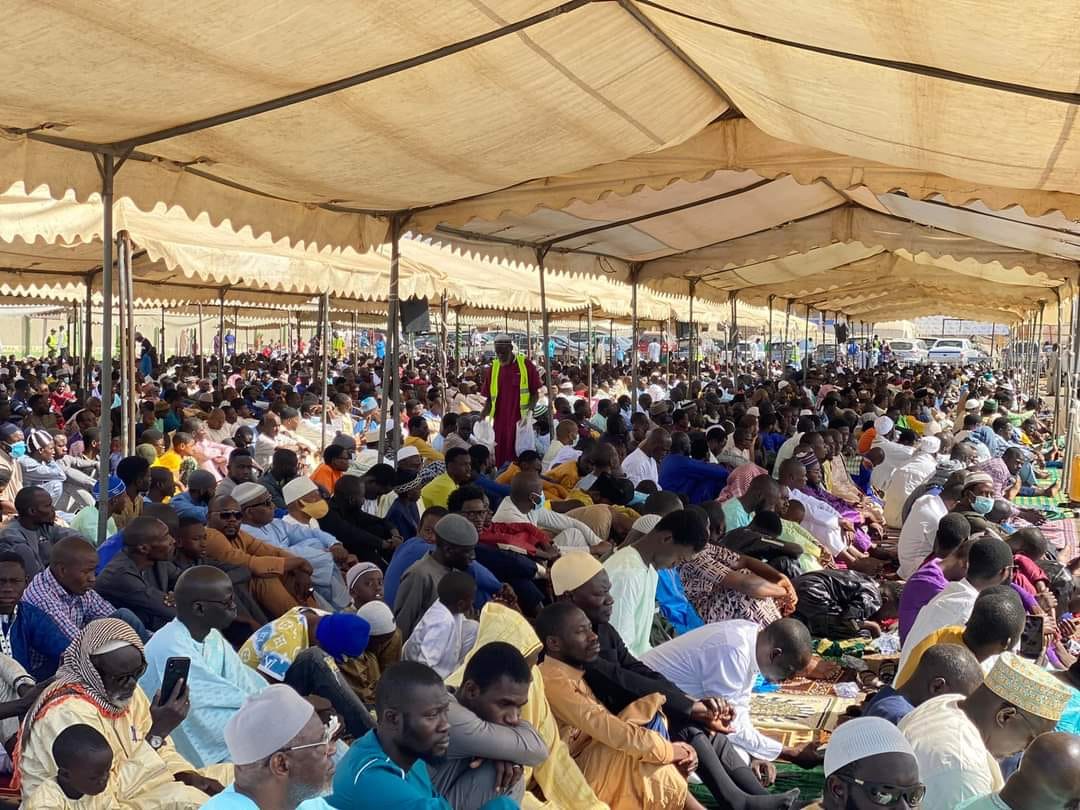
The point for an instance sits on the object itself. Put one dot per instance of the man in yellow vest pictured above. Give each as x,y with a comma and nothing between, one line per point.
510,384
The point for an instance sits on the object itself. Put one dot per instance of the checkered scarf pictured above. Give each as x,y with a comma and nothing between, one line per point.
78,677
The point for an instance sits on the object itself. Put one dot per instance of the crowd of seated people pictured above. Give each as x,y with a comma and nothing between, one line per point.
261,621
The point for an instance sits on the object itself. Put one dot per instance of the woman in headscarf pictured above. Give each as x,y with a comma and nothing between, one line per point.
97,685
559,778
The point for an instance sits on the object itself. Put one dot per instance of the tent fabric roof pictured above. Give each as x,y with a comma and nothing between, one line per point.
271,118
512,90
48,247
735,232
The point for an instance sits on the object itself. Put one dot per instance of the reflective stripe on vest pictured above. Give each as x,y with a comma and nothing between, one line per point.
523,384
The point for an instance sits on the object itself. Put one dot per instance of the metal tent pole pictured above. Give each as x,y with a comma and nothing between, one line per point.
390,407
611,342
691,354
1057,366
457,339
127,326
806,344
202,348
541,254
768,348
589,355
355,345
130,392
635,370
1038,348
733,299
444,341
123,304
324,313
164,344
88,335
528,334
221,334
107,167
1070,390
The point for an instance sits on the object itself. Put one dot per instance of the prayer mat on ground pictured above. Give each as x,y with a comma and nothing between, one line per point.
810,686
1041,501
795,719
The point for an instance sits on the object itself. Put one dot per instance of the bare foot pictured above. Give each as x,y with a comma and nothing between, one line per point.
821,670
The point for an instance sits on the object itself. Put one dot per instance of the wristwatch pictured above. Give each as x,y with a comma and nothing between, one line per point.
154,741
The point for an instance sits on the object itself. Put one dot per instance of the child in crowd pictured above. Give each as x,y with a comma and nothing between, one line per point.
444,635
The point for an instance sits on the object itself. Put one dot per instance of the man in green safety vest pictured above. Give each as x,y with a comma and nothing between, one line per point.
511,385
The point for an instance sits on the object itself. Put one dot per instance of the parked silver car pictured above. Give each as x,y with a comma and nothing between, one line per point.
909,351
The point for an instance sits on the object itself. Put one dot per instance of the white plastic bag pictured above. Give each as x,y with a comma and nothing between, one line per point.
483,432
526,437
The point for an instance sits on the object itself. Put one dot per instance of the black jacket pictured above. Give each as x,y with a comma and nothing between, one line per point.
834,604
618,679
362,534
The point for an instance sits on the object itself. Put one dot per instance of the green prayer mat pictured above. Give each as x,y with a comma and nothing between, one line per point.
1041,501
811,784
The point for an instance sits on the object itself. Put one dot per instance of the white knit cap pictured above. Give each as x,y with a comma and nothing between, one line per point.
883,425
407,452
358,571
249,492
266,723
298,488
646,523
379,616
929,444
861,738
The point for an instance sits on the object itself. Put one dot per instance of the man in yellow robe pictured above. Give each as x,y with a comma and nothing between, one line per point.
97,685
559,779
628,763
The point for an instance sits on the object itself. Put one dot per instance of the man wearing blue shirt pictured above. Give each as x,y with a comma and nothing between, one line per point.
390,763
700,480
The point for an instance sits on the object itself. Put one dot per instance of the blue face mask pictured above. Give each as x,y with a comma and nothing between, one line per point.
982,504
18,450
539,505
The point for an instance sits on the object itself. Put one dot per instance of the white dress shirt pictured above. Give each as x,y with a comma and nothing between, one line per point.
264,450
822,521
567,533
895,455
639,467
786,451
718,660
219,435
904,481
954,763
950,607
440,639
918,533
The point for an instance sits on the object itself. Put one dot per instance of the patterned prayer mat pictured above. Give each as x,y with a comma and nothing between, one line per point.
798,718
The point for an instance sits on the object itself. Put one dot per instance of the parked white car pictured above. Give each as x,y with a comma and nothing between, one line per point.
953,351
909,351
